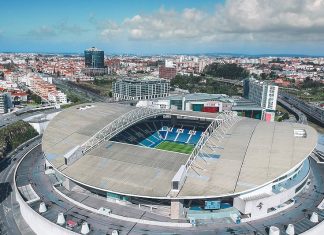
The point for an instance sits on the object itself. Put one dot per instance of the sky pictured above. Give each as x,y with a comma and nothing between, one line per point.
163,26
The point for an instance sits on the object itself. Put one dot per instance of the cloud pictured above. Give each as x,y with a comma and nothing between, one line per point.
235,20
108,29
276,19
64,27
57,30
165,25
42,32
252,21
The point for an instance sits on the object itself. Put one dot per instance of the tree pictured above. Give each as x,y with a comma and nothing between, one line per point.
228,71
310,83
35,98
285,116
263,76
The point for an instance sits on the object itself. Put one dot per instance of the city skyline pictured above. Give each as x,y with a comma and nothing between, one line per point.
164,27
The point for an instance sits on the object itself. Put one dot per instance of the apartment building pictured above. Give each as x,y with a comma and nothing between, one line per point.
140,89
57,97
263,94
5,102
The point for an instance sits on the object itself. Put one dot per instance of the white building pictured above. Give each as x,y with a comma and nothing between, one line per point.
140,89
57,97
169,64
212,103
263,94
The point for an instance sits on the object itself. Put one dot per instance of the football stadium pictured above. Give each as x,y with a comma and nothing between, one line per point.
182,164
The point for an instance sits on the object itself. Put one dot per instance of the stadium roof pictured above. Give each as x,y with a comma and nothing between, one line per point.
252,154
200,96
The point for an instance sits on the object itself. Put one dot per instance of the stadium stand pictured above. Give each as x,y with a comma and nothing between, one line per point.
151,132
194,138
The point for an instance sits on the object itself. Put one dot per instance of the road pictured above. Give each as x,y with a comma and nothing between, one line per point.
288,100
300,116
12,117
8,204
315,113
86,94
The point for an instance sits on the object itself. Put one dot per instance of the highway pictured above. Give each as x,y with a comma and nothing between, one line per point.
297,106
300,116
9,208
315,113
86,94
20,115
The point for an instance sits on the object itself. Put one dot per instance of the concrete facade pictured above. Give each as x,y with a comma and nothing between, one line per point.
267,201
140,89
262,93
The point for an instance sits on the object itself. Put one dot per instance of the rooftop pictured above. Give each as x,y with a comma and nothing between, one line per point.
252,153
145,79
93,49
200,96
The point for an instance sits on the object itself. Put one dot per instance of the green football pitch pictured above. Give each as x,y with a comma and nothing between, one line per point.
175,147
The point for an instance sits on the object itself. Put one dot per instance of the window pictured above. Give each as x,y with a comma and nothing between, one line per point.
300,187
175,185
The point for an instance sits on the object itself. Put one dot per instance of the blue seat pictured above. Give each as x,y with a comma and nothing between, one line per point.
171,136
146,143
162,133
195,138
183,137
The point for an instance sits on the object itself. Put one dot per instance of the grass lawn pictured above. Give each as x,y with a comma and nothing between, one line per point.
175,147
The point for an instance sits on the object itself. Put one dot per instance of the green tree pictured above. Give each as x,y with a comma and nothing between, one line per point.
228,71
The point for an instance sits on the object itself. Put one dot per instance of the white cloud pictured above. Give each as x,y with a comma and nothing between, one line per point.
164,25
65,27
109,30
250,20
42,32
61,29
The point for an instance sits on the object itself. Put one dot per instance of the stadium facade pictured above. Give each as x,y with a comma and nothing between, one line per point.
181,164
